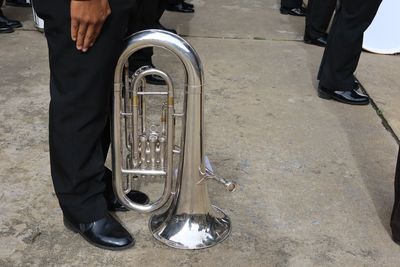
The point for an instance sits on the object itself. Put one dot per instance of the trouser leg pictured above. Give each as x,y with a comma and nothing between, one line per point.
395,220
162,5
174,2
291,3
319,14
342,54
148,15
80,88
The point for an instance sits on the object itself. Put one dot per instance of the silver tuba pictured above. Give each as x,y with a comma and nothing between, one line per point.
185,218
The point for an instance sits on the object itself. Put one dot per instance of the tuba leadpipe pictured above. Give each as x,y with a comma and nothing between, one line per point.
185,219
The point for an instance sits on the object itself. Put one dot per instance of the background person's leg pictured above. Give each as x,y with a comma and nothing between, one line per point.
319,15
343,52
395,220
291,3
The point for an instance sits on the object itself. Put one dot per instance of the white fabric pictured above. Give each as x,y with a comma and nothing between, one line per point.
383,35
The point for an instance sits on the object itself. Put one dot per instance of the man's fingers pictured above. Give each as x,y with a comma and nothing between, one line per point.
74,29
89,38
95,35
87,18
81,36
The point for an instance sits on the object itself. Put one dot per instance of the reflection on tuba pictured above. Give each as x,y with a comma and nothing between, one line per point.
185,219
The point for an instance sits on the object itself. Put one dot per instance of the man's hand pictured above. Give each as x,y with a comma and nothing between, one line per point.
87,19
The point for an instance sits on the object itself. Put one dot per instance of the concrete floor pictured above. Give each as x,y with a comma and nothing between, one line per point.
315,176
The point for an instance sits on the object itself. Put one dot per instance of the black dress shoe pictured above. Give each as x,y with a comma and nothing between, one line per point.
19,3
351,96
155,80
187,5
181,7
106,233
136,196
320,41
4,28
113,203
297,11
9,22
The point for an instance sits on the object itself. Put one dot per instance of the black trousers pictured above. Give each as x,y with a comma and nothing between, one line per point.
319,15
291,3
147,16
81,88
395,220
175,2
342,54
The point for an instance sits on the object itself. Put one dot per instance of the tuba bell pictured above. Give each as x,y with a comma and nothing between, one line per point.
184,217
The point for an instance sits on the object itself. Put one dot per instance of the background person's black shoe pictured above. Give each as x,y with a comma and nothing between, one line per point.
136,196
187,5
297,11
5,29
320,41
112,201
19,3
181,7
106,233
9,22
155,80
351,96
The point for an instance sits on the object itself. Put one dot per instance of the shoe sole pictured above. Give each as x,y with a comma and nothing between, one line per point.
324,95
312,43
73,229
287,12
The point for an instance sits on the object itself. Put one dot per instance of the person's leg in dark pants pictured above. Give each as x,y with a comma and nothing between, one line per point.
342,54
291,3
148,15
395,219
145,17
80,87
319,14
